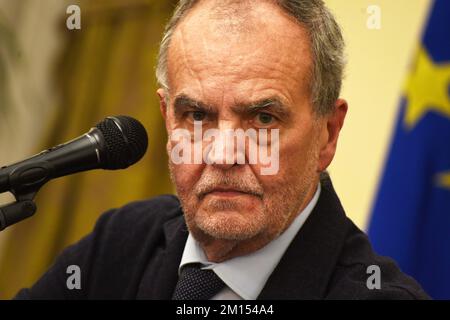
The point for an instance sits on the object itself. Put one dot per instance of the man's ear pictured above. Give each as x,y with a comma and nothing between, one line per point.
162,102
330,134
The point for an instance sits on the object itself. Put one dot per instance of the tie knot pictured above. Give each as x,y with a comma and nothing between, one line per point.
195,283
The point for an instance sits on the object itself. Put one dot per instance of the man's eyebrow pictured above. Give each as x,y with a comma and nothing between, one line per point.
274,104
183,101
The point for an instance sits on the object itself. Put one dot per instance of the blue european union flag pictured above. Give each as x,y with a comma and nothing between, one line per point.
411,215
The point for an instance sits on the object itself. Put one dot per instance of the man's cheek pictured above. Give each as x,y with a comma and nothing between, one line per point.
186,175
293,155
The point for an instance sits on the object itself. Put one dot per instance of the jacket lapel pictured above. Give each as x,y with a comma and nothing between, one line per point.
306,267
161,275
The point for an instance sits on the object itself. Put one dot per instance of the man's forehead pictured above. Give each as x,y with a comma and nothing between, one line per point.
272,47
217,24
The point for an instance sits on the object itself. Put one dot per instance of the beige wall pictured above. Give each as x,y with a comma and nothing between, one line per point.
377,64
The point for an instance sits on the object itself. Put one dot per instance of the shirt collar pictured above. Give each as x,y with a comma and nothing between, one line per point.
247,275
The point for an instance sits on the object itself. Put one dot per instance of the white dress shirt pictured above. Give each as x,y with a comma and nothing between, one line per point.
245,276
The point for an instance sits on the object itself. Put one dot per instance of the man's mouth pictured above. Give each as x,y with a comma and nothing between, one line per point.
228,193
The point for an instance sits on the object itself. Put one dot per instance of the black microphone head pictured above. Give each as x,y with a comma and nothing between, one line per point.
125,141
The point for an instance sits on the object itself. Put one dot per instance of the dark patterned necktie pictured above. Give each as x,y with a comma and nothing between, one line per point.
197,284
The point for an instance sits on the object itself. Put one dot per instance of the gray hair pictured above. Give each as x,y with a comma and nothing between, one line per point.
327,46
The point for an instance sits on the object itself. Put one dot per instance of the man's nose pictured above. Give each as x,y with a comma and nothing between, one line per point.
223,152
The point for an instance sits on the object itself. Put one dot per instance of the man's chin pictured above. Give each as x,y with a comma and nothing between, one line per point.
229,224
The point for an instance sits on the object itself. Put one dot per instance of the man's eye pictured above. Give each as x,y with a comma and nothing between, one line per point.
264,119
196,115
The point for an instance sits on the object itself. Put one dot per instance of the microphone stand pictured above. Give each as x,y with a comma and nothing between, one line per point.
23,208
24,181
16,212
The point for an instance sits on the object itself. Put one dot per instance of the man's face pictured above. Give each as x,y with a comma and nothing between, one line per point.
218,70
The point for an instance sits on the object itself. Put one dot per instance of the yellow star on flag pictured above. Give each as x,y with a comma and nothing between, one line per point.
427,89
443,180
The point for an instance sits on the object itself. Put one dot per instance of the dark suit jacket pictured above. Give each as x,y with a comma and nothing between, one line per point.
134,253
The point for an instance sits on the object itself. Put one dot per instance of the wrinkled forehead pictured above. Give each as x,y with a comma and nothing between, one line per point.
257,40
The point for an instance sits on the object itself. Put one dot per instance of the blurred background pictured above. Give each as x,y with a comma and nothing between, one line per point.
56,83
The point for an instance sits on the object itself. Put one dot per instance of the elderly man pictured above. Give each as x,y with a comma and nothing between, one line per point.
270,72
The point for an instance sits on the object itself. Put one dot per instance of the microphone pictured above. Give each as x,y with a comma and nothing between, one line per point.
114,143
